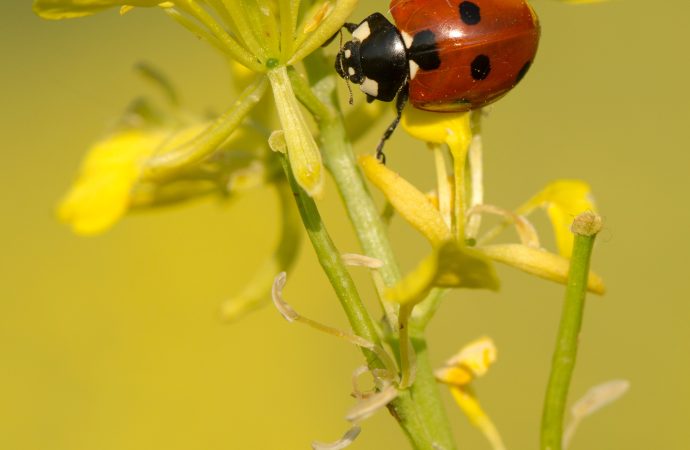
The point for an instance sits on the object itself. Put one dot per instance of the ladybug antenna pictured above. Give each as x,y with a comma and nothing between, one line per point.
350,99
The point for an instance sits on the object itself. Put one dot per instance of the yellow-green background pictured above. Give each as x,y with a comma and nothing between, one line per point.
114,342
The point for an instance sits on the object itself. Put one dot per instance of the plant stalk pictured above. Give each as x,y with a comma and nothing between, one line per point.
585,228
419,409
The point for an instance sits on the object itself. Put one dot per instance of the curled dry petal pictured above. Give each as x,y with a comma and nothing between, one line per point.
344,442
354,259
370,405
281,305
594,399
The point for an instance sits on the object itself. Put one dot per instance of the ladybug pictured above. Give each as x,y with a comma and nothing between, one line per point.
443,56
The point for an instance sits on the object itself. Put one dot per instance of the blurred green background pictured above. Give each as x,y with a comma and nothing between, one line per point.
114,342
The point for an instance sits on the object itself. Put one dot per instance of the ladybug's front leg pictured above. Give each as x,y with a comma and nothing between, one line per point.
400,102
348,26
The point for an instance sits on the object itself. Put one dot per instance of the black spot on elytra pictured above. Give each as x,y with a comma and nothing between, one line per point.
424,50
469,13
521,74
481,66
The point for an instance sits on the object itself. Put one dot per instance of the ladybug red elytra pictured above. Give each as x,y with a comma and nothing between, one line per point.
444,55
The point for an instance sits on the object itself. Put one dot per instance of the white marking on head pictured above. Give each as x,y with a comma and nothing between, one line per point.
370,87
362,32
348,53
407,39
414,67
351,71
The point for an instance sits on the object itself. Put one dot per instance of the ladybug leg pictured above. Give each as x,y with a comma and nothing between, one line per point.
348,26
400,102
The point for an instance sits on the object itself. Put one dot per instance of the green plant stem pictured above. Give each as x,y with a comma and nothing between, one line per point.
403,407
335,269
419,409
564,357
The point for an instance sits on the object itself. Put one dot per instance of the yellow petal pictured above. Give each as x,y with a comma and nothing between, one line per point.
101,194
474,412
538,262
67,9
437,128
563,201
448,266
407,200
472,361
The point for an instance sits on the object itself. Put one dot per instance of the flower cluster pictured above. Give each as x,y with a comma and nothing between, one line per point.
162,155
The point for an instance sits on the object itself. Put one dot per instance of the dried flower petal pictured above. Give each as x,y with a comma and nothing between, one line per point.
594,399
370,405
344,442
354,259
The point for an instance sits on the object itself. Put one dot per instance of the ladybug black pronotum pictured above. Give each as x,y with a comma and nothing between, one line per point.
444,55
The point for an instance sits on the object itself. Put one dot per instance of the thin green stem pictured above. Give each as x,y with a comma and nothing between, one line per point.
425,310
335,269
585,228
460,199
419,410
207,141
407,367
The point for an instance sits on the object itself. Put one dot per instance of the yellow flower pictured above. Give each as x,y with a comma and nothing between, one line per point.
458,373
450,222
563,200
101,193
453,257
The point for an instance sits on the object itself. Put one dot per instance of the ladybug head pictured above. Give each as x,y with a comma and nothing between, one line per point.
375,59
348,63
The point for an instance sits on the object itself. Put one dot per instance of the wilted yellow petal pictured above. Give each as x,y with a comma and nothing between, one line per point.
101,194
563,201
472,361
407,200
474,412
67,9
448,266
538,262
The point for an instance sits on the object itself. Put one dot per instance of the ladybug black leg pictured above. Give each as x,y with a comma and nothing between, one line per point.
348,26
400,102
